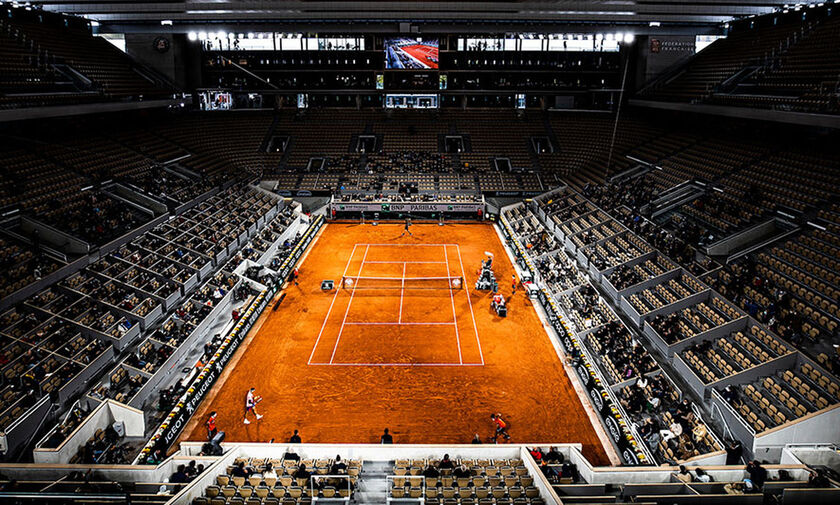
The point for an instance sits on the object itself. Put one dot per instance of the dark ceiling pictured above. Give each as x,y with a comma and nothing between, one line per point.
592,12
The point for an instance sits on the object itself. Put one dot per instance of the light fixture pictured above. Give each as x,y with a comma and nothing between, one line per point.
165,22
629,38
202,35
192,36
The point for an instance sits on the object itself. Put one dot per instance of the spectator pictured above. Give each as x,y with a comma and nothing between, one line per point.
302,473
431,472
758,474
476,439
191,471
462,472
702,476
338,466
683,475
180,476
240,470
295,438
816,478
733,453
554,456
446,463
386,438
269,472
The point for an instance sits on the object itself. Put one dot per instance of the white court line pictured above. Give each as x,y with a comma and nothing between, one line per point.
397,323
350,259
402,291
408,245
398,364
469,302
347,311
452,299
399,262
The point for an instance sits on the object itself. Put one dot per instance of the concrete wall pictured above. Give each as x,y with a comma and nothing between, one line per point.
181,63
672,50
817,428
102,416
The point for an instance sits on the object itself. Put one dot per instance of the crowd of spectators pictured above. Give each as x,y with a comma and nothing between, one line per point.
554,466
770,304
104,448
186,473
622,352
97,218
667,424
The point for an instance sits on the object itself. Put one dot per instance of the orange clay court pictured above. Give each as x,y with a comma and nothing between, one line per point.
404,345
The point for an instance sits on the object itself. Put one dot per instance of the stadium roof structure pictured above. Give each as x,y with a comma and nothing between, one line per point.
611,12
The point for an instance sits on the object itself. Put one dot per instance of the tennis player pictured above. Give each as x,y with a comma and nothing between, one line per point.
407,226
501,427
251,401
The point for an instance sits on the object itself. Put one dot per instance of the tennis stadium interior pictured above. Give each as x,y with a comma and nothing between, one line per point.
506,252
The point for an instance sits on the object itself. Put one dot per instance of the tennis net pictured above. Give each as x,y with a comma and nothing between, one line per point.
356,282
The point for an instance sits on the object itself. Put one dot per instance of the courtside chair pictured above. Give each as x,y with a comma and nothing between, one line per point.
218,501
200,500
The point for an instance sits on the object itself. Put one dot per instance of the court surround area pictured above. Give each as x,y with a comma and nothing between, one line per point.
407,343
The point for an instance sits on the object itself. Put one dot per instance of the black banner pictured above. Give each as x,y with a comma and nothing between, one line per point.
611,417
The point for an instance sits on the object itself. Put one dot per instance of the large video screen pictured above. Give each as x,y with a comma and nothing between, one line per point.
411,54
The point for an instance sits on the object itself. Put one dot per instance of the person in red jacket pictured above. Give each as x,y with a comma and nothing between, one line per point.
211,426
